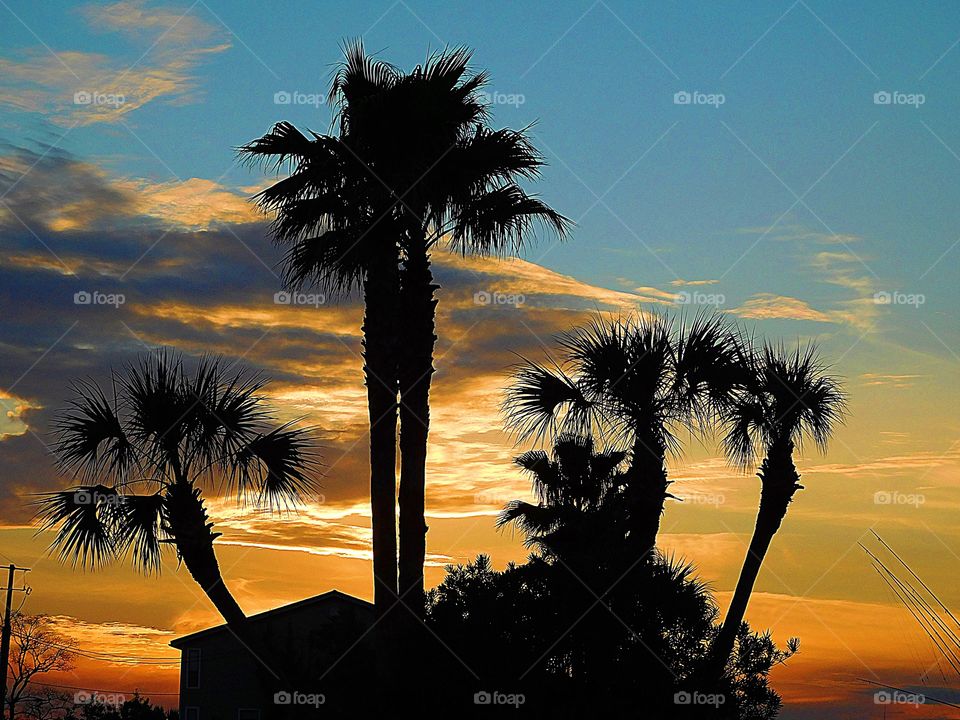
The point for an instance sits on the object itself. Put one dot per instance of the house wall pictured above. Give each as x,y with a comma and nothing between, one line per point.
231,678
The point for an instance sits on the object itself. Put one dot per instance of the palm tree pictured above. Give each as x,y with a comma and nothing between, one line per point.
578,510
414,165
788,396
338,220
634,382
458,180
145,449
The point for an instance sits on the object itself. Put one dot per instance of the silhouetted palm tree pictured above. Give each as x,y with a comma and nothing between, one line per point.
415,155
338,219
635,383
146,447
788,395
578,509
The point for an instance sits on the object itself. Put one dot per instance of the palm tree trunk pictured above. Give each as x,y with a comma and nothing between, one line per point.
647,492
779,481
416,371
380,370
193,537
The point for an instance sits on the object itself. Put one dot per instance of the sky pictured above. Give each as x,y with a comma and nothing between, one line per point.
793,165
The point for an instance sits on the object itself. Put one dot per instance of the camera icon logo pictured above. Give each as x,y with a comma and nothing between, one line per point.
82,697
882,98
82,298
82,97
282,298
882,298
482,297
83,497
482,698
682,698
281,98
682,97
282,698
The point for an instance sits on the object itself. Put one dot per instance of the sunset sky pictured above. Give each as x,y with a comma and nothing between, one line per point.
810,189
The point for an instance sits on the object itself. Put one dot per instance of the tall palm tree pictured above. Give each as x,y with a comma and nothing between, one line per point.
338,220
634,382
145,448
413,165
458,180
788,396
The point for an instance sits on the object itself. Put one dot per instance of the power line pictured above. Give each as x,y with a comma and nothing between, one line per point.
107,692
98,655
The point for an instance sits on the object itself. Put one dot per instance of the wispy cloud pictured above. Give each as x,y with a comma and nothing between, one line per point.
767,306
73,87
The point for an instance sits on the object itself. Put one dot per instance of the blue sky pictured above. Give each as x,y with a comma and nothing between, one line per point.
666,191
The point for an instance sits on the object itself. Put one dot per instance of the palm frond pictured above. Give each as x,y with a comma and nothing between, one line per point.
85,518
140,532
497,221
276,467
90,435
541,400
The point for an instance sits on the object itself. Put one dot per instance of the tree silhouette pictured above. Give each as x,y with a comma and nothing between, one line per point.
787,396
414,165
147,446
36,648
338,220
634,382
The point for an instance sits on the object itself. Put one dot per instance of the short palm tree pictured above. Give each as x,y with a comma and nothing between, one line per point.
634,382
788,396
577,501
144,450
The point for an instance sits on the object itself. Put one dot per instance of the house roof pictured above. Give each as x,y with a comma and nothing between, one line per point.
322,599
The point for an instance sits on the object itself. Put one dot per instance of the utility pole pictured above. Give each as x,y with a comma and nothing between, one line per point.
5,641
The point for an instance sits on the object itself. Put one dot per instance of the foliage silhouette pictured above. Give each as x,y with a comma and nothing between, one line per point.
633,382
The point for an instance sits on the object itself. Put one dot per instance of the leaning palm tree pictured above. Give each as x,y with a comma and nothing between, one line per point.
633,382
788,396
144,450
